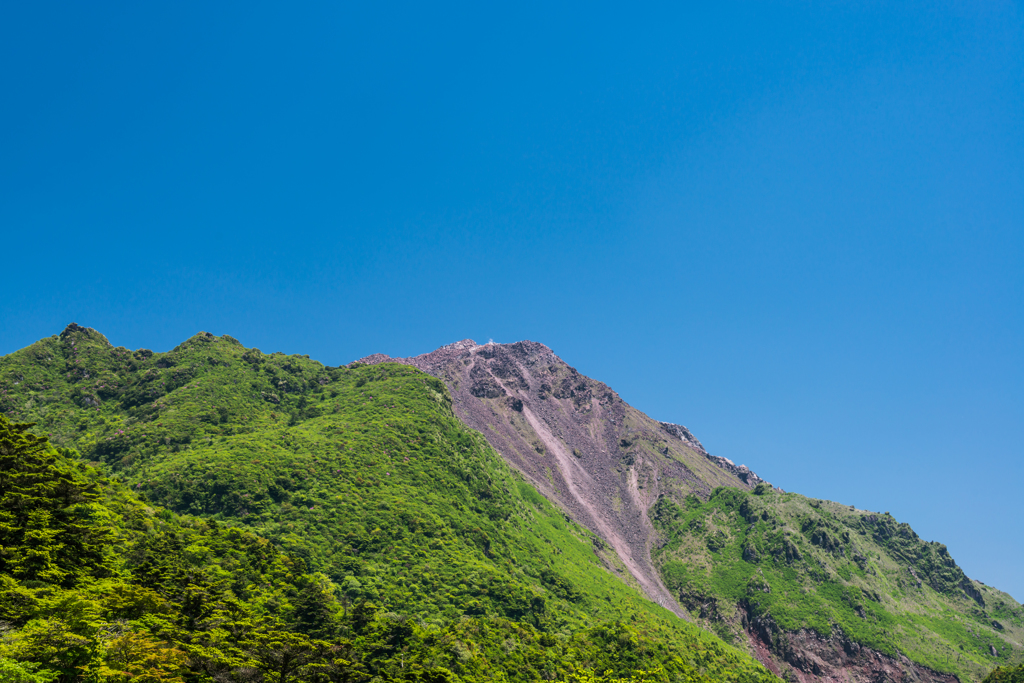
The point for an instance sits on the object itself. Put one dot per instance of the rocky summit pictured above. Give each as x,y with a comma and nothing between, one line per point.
579,443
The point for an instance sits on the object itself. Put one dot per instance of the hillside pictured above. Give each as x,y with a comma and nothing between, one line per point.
97,586
579,443
424,556
813,589
822,589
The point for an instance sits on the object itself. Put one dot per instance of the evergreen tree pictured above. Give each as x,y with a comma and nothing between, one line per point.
51,525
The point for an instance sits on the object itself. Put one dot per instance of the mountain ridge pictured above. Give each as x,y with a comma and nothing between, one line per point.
560,428
571,451
433,362
390,475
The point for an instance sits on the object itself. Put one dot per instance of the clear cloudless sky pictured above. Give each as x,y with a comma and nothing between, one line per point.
795,227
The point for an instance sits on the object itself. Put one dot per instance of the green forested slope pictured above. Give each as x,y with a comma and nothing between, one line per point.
401,546
95,585
790,563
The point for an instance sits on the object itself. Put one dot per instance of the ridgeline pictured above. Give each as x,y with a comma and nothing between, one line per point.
218,514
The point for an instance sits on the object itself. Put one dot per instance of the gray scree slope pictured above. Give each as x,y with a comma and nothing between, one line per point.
603,461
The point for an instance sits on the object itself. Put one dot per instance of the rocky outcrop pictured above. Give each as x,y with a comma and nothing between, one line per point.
971,590
807,656
683,434
579,443
741,472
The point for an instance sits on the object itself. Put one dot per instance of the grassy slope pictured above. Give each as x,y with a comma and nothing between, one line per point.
820,565
366,475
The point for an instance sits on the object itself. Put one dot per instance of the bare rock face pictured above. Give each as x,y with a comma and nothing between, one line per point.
683,434
807,656
581,445
742,471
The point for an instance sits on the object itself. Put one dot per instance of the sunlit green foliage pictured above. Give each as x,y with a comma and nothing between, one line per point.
51,526
400,545
23,672
802,563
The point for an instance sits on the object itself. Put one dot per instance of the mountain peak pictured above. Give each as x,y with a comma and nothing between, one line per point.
76,331
433,362
576,440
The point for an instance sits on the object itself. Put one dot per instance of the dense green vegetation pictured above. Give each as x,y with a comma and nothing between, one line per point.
99,586
792,562
1006,675
235,515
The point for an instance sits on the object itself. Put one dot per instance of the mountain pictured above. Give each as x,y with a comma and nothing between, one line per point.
262,517
579,443
482,512
814,589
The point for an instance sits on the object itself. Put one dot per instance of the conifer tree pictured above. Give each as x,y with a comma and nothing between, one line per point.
50,523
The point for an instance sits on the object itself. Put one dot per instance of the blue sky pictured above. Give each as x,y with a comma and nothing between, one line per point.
796,228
